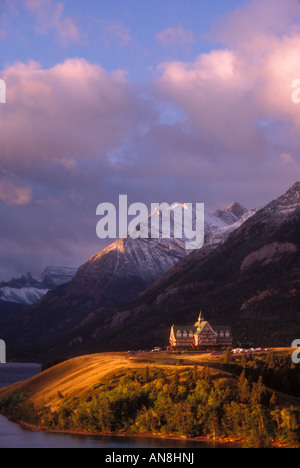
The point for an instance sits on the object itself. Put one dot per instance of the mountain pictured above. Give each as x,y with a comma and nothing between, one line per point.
26,290
129,266
54,276
232,214
249,281
114,276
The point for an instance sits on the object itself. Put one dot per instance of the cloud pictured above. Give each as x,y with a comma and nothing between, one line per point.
74,110
218,129
256,25
287,158
12,194
115,33
50,16
240,96
58,128
176,36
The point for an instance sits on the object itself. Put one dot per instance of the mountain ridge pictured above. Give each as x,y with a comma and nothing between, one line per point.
251,282
27,290
109,278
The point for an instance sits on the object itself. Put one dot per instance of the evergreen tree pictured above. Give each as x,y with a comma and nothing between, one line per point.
243,388
227,357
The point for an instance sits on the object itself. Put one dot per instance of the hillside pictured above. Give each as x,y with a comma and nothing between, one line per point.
74,377
77,375
70,378
166,394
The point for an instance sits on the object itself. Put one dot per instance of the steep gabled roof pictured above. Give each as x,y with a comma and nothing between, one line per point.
184,328
197,330
202,325
223,328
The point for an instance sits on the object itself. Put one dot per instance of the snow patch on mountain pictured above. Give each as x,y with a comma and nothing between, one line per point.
219,235
136,262
26,290
56,276
285,205
23,296
232,214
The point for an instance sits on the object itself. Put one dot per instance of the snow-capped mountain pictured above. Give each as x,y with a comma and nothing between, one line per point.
24,296
112,277
26,290
130,265
54,276
246,275
127,265
232,214
219,235
220,221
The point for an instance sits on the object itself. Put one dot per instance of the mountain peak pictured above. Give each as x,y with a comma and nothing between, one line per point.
232,214
238,209
294,190
286,204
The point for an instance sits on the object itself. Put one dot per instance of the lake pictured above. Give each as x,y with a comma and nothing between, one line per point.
14,436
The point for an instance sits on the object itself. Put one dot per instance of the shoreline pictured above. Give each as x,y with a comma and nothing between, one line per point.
205,440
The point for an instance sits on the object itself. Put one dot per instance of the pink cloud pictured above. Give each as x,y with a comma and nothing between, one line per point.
50,16
72,110
12,194
254,26
175,36
229,94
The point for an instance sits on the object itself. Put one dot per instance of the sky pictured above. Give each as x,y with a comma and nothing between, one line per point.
164,101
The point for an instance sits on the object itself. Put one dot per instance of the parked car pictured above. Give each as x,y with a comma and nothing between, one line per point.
156,349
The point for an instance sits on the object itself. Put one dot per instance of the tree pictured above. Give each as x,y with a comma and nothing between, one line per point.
260,435
259,392
270,361
227,357
273,400
243,388
174,384
289,426
244,360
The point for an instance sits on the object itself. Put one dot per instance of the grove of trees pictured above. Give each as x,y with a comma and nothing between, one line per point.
189,402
